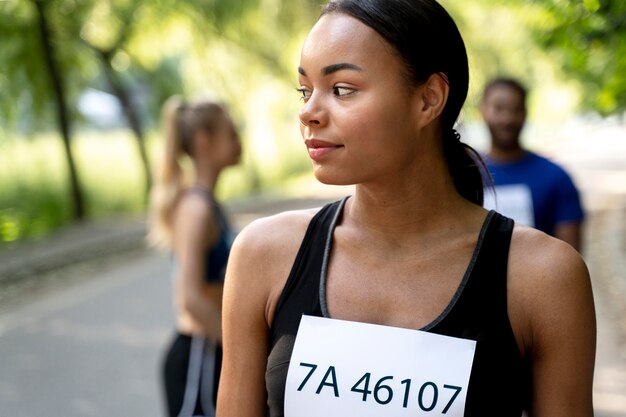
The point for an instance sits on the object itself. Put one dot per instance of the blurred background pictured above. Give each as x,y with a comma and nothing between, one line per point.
81,86
82,82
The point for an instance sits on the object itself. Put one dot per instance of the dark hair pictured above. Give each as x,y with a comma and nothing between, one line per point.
428,41
507,82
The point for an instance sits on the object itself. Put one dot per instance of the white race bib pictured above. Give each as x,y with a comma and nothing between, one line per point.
343,369
514,201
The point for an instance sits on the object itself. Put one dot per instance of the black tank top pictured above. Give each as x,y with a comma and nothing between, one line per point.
499,381
217,255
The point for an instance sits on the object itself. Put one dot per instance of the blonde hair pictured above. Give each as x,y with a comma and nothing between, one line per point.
180,122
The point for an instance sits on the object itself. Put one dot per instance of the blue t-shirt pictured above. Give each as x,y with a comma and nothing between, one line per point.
534,191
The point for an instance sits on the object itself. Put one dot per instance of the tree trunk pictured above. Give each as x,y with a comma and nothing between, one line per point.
130,112
78,207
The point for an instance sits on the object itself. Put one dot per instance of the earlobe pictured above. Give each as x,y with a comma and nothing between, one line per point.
434,96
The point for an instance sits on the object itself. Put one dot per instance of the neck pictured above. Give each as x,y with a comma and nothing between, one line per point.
409,205
508,154
206,176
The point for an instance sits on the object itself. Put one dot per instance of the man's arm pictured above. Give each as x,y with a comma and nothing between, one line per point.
570,232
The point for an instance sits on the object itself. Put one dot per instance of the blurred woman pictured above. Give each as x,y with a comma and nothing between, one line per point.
188,220
321,307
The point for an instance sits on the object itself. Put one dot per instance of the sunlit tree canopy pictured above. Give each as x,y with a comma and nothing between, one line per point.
133,54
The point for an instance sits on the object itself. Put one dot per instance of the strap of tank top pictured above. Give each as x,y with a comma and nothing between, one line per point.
220,217
495,255
327,250
301,286
490,257
500,236
203,192
470,271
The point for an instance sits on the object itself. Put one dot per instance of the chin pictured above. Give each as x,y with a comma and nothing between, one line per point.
507,143
333,178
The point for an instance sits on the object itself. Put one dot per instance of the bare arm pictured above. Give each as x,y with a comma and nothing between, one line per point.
242,381
570,232
194,232
553,285
258,268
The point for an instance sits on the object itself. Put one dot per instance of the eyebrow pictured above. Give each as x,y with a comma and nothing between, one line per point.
334,68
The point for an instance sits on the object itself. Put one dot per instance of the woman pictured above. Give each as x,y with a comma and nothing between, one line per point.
190,222
509,308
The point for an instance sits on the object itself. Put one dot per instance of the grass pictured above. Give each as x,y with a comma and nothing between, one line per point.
32,188
34,193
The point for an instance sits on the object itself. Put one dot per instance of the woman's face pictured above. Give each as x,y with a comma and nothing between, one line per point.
358,120
225,145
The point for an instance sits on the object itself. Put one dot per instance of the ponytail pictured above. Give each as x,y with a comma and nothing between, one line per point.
180,121
467,168
401,23
168,181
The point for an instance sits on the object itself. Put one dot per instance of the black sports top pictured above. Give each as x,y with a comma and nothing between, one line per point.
217,255
500,379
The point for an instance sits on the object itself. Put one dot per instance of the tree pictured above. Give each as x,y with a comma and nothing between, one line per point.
143,52
106,53
588,38
114,27
59,92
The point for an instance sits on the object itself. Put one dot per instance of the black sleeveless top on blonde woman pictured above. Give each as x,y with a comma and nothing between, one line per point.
499,380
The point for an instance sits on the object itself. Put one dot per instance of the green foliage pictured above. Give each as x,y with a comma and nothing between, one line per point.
23,80
245,52
31,179
589,39
34,211
159,48
20,66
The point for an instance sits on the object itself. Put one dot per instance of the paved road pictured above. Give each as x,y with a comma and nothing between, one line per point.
87,340
608,281
90,348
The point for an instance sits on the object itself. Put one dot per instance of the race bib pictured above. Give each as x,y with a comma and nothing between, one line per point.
349,369
513,201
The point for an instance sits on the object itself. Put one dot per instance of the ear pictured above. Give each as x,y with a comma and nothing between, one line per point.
434,95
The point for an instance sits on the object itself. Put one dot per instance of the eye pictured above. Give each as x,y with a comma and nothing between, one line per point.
343,91
305,93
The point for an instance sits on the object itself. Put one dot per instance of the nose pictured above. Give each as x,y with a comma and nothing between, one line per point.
506,116
312,112
510,118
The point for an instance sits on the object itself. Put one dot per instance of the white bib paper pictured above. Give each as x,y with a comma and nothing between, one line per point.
343,369
513,201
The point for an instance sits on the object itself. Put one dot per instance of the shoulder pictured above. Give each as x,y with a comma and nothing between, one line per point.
193,224
193,205
534,253
547,165
279,236
548,279
269,235
552,313
262,257
192,213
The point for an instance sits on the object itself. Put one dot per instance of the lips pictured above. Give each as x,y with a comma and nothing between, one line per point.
319,149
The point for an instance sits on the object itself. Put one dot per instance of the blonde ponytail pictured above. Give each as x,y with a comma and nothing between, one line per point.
168,178
180,121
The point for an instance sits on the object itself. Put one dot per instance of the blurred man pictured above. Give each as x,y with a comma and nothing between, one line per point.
528,188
